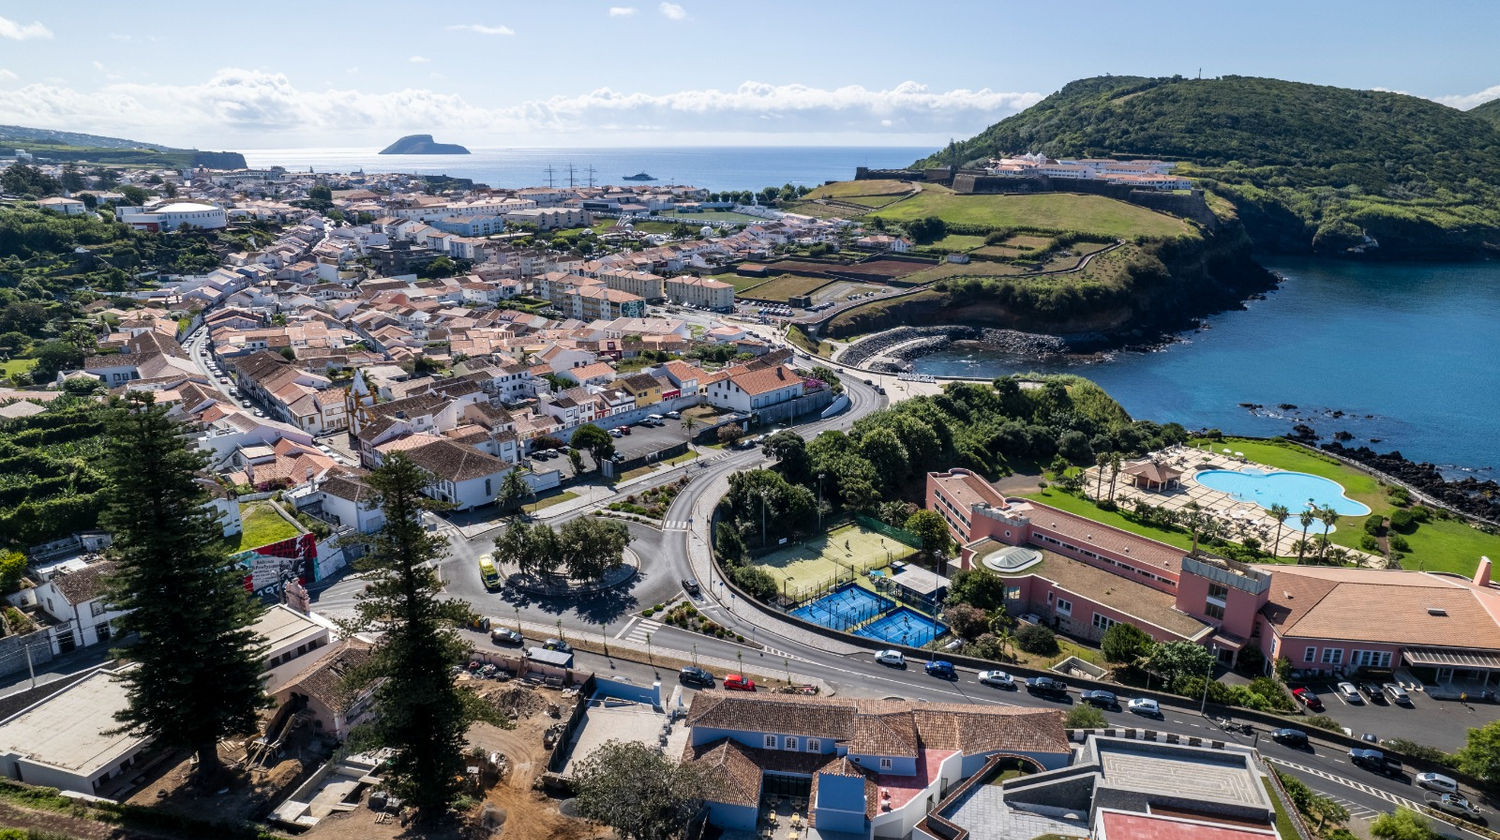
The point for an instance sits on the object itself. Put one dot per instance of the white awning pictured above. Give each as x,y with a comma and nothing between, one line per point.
1452,658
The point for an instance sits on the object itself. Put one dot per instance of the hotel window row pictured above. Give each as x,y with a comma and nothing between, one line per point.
1096,556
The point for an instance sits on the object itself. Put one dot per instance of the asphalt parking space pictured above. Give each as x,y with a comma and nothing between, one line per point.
643,440
1443,724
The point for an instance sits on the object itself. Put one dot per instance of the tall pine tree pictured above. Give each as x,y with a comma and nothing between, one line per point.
420,712
198,662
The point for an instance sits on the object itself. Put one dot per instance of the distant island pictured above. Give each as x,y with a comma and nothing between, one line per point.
52,146
422,144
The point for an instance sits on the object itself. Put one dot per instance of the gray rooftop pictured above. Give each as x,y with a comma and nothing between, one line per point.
1188,773
69,729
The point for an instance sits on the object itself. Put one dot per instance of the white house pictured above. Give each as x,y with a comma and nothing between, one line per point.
346,501
65,206
71,740
756,388
173,216
75,601
462,475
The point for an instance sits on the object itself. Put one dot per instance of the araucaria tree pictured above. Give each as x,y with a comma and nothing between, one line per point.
637,791
420,712
198,663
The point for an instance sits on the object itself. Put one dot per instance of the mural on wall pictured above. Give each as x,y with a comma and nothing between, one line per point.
270,567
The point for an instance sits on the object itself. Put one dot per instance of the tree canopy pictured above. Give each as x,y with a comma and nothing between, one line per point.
638,791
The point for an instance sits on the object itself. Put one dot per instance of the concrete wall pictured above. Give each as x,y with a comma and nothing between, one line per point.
732,817
13,651
841,803
649,694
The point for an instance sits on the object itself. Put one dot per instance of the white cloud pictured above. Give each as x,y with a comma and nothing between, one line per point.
483,29
1465,101
672,11
7,75
417,59
23,31
119,36
255,109
622,11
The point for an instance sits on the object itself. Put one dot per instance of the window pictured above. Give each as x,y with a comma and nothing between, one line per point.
1214,611
885,764
789,743
814,745
1333,656
96,608
1064,606
1310,655
1103,622
1218,591
770,742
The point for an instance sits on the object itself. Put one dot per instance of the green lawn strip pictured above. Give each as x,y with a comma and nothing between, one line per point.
15,366
1358,485
262,526
1057,211
1083,507
1449,546
743,283
549,501
1284,824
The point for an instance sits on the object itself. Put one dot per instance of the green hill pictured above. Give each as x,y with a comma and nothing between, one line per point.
1489,111
60,146
1309,167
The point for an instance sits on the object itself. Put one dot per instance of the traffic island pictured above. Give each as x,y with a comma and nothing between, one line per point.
562,586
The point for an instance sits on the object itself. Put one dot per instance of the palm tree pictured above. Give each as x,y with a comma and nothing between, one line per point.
1306,517
1338,555
1101,460
1329,517
1114,473
688,424
1194,518
1278,513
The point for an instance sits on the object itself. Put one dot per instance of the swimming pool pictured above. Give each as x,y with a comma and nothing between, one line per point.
903,626
845,607
1297,491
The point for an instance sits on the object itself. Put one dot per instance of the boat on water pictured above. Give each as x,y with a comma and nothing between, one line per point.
639,176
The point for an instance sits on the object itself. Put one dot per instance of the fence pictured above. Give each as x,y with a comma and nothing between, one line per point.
900,535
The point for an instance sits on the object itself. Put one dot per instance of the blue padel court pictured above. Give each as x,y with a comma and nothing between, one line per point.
852,608
848,606
903,626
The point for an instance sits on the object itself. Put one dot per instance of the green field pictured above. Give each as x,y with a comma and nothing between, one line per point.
712,216
549,500
845,190
1055,211
1086,508
262,526
780,288
841,554
956,242
15,366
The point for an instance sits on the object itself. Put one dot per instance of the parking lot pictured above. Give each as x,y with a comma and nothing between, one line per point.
644,440
1438,723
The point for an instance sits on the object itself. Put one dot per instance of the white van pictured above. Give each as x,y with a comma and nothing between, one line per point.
655,418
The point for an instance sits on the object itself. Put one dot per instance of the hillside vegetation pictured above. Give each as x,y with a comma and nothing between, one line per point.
1088,214
47,144
1309,167
1489,111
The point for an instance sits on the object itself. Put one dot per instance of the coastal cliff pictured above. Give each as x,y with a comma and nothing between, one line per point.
422,144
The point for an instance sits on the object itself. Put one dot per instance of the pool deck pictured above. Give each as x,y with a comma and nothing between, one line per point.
1231,512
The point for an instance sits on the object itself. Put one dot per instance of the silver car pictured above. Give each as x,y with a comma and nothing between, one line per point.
999,679
1437,782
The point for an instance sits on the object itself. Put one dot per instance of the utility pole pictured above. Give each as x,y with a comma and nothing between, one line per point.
762,518
820,502
572,181
1207,678
29,669
549,171
591,175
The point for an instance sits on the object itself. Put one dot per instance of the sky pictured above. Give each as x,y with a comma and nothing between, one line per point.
577,73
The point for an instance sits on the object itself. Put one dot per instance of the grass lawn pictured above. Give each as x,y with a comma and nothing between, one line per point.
1286,456
1284,825
1027,241
1449,546
262,526
1083,507
1055,211
742,282
549,501
957,242
783,287
15,366
850,189
713,216
640,471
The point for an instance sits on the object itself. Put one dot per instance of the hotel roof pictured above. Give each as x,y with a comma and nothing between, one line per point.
1416,608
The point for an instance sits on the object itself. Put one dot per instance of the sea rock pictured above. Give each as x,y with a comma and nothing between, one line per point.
422,144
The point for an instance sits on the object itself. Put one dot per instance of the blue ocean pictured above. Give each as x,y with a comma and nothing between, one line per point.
712,167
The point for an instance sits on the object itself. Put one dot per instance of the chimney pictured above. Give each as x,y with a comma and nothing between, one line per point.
1482,574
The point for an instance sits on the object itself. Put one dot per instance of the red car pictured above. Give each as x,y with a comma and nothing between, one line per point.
735,682
1308,698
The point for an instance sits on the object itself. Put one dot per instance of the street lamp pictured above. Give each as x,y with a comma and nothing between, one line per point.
820,502
1207,678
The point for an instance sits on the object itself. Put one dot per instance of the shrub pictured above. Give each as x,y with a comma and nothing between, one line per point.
1375,525
757,582
1369,543
1037,639
1398,496
1422,751
1399,543
1084,716
1404,521
1324,722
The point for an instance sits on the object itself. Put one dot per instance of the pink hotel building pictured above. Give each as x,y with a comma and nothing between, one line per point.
1080,576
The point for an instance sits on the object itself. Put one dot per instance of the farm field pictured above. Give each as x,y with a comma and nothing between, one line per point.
846,190
784,286
1056,211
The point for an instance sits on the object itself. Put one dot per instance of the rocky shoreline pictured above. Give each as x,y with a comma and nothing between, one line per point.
1468,495
896,347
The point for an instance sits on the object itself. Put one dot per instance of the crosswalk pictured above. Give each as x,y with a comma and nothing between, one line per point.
1354,809
676,525
637,629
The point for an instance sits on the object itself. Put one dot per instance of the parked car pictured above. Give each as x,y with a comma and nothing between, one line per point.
624,430
1437,782
674,414
1396,694
893,658
1290,737
998,679
1458,806
1144,706
614,433
1349,694
691,587
1375,761
693,675
941,668
736,682
506,636
1047,687
558,645
1099,697
244,403
1308,698
1373,692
